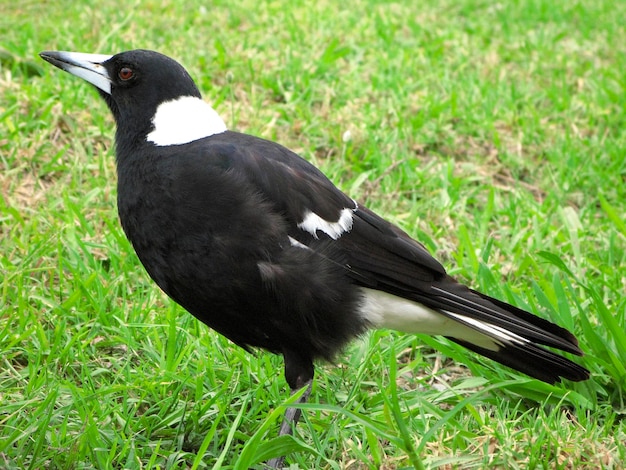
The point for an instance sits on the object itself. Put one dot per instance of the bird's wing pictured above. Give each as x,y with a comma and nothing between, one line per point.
379,255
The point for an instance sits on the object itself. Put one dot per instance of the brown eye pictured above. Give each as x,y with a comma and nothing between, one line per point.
126,73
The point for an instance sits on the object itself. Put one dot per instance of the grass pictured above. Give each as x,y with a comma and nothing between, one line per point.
491,131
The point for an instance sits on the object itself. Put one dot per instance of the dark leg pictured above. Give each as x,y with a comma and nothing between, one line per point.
292,416
299,373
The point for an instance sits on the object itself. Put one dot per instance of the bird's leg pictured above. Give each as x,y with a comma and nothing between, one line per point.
299,372
292,416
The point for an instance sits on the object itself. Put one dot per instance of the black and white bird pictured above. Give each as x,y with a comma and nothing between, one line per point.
258,244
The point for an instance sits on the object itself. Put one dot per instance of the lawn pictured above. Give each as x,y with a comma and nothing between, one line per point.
493,132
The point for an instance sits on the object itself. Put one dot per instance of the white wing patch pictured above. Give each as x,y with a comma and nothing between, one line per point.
184,120
313,222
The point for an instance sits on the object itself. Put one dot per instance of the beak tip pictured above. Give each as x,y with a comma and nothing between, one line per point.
45,54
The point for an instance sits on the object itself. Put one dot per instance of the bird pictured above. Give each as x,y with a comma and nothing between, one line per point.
258,244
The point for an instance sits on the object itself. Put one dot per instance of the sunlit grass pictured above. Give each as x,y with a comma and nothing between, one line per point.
492,132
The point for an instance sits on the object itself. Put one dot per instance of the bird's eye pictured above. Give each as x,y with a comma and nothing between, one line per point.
126,73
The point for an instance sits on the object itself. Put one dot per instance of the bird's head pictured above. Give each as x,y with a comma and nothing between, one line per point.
148,93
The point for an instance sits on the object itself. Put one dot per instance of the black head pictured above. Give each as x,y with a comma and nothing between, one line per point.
133,83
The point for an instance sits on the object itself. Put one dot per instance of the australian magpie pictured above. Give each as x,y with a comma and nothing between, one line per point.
258,244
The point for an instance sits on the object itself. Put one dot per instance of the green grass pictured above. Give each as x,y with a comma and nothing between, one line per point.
491,131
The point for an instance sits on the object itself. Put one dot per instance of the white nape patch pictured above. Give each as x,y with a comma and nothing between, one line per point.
297,244
313,222
383,310
184,120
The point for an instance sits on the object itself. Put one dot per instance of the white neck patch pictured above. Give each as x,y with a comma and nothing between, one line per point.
184,120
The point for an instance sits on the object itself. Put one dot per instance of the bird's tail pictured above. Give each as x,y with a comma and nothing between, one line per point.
495,329
517,336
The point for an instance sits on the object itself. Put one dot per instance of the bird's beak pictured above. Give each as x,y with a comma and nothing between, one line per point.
86,66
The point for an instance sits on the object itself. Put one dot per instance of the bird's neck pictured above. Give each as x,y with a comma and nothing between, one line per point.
184,120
